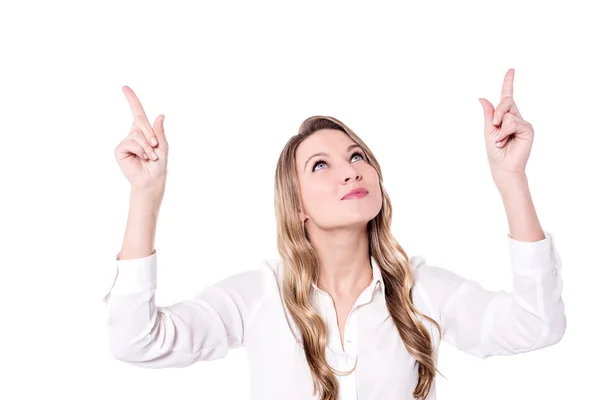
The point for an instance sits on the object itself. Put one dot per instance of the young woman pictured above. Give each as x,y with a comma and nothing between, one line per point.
344,313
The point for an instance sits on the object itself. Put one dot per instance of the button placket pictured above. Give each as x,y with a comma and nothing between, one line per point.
348,389
351,328
351,336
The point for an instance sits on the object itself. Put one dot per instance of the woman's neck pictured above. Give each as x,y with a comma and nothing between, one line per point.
344,261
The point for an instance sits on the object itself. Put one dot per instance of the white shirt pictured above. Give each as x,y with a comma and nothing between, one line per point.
247,310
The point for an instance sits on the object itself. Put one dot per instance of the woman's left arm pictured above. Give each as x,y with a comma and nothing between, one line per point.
532,315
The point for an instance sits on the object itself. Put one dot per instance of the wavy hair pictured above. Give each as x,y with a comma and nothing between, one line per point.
301,267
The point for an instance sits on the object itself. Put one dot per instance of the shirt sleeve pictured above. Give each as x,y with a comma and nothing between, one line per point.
485,323
201,328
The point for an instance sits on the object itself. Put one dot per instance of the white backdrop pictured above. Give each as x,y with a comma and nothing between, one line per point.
234,81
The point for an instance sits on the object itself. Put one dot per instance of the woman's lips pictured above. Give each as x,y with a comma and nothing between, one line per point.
356,194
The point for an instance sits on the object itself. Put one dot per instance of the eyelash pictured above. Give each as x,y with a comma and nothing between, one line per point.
323,161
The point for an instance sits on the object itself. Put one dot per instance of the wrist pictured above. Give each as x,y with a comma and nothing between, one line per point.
146,200
507,182
144,211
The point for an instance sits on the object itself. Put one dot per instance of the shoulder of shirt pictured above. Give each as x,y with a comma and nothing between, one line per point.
267,268
273,266
255,284
417,261
432,280
424,273
420,267
266,273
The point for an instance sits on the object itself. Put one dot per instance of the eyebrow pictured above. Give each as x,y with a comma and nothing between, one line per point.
326,155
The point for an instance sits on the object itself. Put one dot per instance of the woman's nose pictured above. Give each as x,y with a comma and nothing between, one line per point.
352,175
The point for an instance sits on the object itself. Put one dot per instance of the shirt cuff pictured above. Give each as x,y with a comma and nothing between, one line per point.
135,276
533,258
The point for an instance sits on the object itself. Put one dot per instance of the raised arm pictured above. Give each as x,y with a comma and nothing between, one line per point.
532,315
201,328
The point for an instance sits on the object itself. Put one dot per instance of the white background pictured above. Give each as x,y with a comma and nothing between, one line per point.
235,80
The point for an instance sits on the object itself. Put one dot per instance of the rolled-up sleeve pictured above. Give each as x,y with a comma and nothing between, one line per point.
201,328
484,322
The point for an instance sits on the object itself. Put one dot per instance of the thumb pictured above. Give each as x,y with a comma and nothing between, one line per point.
488,114
159,130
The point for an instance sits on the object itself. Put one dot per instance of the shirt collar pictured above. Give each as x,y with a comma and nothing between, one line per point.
377,278
377,275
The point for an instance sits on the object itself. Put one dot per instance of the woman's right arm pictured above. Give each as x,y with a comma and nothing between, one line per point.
201,328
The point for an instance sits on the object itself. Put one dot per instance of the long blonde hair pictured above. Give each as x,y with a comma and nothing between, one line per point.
301,268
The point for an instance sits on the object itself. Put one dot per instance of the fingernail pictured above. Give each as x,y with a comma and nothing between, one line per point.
498,144
153,141
495,121
154,156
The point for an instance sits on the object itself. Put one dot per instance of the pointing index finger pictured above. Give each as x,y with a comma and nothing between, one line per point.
134,103
507,85
140,119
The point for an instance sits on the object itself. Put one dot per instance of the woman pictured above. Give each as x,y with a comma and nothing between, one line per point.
344,313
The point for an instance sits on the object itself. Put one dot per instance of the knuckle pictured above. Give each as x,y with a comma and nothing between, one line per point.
143,146
139,137
134,143
508,118
147,148
120,146
140,124
135,133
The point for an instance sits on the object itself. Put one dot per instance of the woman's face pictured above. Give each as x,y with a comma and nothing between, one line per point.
329,165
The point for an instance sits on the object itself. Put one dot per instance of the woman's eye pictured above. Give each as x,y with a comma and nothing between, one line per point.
318,163
356,154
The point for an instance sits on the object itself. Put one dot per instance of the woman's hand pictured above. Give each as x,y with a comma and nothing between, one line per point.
508,137
142,155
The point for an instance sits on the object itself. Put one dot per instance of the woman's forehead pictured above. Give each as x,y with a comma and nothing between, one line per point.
325,140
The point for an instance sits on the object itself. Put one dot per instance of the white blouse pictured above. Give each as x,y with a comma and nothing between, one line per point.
247,310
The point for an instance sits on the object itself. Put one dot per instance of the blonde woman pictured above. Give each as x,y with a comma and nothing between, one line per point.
344,313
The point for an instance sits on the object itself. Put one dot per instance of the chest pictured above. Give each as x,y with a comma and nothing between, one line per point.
384,369
341,310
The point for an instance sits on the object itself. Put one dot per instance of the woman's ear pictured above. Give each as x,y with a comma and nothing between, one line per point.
303,217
